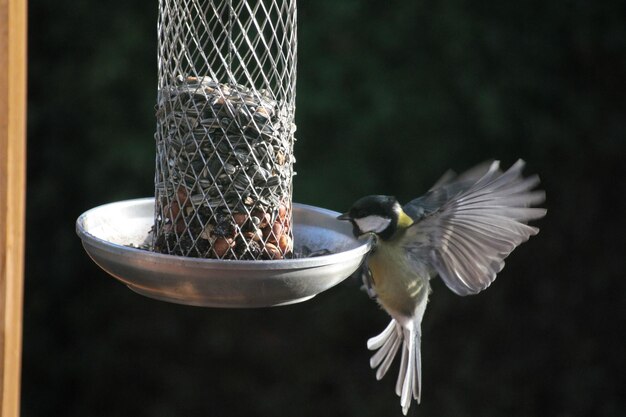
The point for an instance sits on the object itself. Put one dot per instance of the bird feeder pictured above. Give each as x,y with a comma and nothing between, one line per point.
223,229
225,128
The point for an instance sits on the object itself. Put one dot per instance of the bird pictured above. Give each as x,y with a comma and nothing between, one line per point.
461,230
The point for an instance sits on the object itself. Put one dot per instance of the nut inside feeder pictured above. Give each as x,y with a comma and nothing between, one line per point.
225,129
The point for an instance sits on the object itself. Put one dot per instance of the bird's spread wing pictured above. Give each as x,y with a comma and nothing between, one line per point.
466,231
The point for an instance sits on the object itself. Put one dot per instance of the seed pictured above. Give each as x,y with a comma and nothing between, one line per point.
263,111
204,184
223,147
197,199
264,218
242,157
272,251
173,209
241,182
207,231
284,243
277,232
230,169
214,166
208,122
272,181
240,218
180,225
221,246
282,212
181,195
261,117
253,236
280,158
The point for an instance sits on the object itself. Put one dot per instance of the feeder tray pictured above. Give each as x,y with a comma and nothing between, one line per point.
112,232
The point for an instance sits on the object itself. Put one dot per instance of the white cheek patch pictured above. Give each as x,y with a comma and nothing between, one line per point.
375,224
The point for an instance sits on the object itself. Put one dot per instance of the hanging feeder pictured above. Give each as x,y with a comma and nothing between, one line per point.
222,228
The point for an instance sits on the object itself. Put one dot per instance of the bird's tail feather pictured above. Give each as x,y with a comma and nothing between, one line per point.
386,344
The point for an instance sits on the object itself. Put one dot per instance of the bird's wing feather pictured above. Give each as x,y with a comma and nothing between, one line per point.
466,239
446,188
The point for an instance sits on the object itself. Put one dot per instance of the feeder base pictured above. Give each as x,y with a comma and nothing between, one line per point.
109,231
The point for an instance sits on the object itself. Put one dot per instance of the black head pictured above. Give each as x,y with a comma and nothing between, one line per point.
376,214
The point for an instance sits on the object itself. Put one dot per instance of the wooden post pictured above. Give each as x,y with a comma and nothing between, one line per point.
12,195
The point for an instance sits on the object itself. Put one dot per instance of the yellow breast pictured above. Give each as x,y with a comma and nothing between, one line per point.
398,286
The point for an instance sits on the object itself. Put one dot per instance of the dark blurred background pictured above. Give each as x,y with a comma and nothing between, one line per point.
390,95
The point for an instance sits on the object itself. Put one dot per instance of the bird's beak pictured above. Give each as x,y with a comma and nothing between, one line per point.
344,216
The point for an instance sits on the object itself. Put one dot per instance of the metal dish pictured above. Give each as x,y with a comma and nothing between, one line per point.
106,231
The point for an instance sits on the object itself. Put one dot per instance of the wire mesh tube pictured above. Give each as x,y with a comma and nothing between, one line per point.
225,128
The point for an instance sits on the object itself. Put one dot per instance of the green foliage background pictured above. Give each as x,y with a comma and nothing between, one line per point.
390,95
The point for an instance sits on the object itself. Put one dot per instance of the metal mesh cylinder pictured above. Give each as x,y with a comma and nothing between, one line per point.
225,128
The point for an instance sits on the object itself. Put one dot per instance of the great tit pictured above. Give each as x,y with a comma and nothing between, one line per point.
461,229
